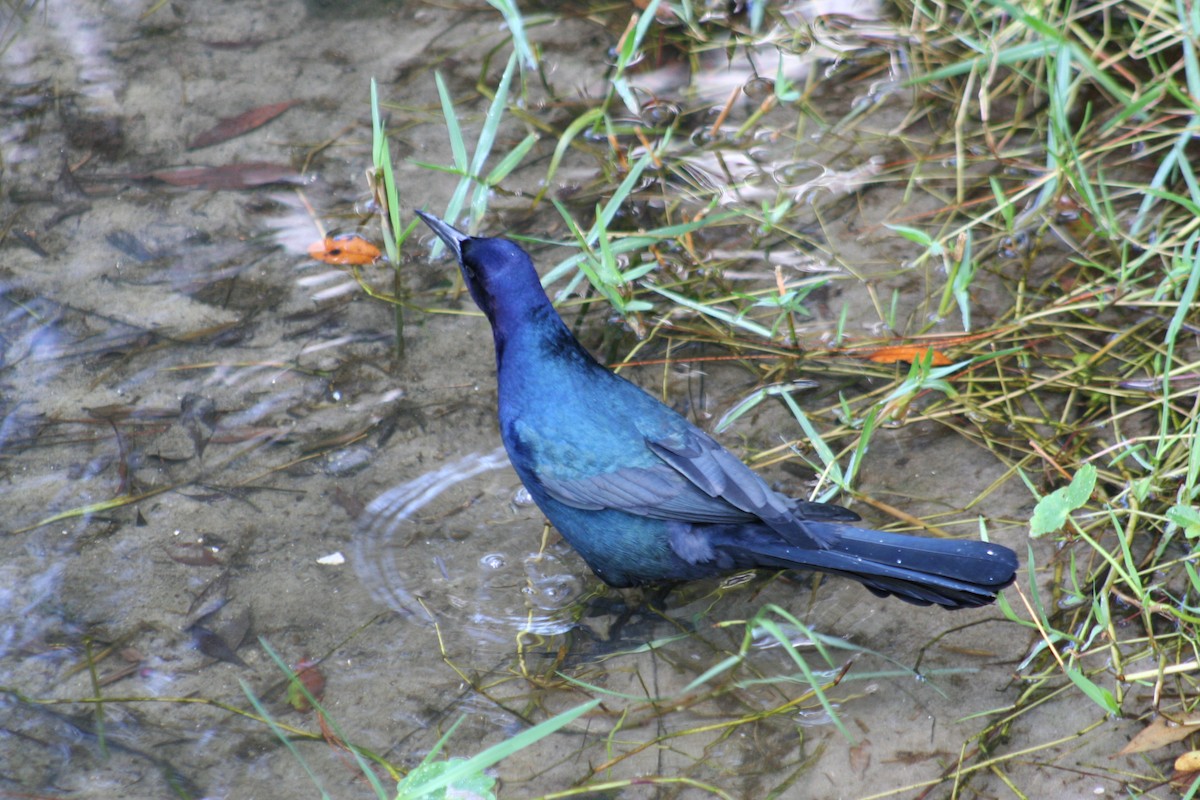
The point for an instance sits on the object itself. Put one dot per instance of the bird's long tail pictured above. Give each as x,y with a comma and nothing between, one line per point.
953,573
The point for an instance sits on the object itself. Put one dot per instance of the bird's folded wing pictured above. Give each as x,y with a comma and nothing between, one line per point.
659,492
717,472
696,481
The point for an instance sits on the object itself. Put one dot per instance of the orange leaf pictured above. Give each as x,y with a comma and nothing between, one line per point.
907,353
1188,762
345,250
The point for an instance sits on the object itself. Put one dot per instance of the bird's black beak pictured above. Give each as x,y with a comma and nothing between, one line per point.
450,235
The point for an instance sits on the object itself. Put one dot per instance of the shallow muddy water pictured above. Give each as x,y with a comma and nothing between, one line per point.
197,416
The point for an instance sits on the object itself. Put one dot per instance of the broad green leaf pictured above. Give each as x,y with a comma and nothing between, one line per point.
1053,509
1186,517
1098,694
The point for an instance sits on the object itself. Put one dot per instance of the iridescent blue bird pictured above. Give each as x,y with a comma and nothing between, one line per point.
648,498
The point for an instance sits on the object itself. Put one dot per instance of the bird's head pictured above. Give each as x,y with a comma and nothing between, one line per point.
497,272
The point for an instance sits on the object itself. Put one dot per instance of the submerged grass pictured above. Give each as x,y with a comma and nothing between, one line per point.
1043,170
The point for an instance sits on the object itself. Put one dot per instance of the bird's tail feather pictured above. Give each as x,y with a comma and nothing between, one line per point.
954,573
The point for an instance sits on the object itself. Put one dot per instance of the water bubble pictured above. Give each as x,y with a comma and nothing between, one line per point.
759,89
813,719
614,57
553,593
659,114
797,172
493,561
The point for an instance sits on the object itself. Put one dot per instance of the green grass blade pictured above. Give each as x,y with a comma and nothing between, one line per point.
496,753
511,161
731,319
487,140
516,28
282,736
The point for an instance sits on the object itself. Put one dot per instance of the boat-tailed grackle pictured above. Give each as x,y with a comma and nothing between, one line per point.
648,498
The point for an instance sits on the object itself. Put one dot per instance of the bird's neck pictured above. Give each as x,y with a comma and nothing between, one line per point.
532,325
531,336
524,313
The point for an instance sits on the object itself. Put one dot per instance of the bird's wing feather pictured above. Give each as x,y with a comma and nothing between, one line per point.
717,472
659,492
694,479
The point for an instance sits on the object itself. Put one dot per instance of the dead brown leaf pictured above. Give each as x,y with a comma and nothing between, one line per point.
229,176
1159,733
193,554
229,127
860,756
